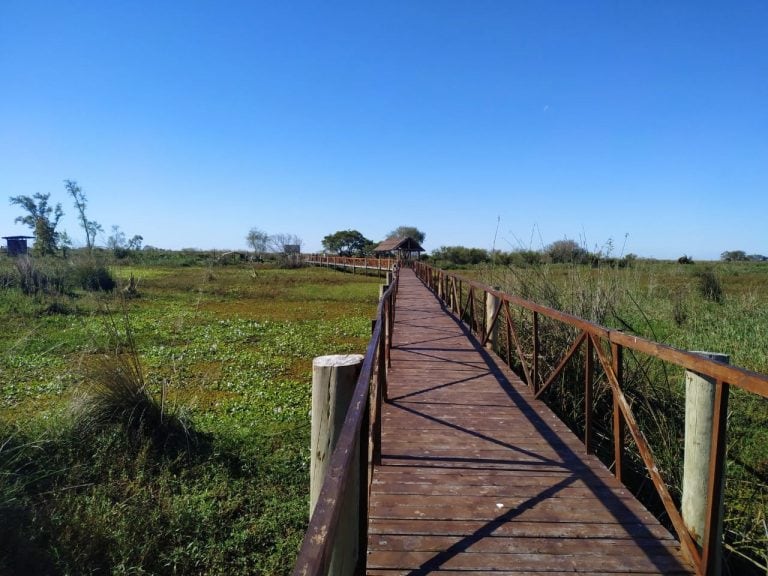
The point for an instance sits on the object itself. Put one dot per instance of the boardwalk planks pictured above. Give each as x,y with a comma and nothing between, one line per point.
477,476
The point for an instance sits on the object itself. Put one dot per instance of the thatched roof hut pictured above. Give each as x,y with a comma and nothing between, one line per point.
403,248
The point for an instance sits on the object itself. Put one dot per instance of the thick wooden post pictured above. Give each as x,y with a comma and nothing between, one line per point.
382,288
699,419
618,418
492,306
333,383
535,360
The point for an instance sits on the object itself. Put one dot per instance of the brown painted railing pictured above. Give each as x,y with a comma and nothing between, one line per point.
464,298
370,263
361,429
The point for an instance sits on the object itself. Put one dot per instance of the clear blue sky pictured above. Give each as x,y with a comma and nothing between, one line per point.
191,122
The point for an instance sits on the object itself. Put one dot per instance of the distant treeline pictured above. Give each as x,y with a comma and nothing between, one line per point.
559,252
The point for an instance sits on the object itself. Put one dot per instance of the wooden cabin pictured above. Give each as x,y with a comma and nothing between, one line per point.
17,245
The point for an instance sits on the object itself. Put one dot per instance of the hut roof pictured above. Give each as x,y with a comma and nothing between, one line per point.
406,244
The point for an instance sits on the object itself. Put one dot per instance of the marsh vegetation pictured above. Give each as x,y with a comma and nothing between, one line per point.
165,430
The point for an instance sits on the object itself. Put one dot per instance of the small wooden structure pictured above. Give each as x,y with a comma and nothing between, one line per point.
403,248
17,245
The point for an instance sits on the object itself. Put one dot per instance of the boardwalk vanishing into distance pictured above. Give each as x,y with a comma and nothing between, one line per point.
478,476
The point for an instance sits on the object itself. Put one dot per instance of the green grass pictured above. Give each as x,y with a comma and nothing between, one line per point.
232,347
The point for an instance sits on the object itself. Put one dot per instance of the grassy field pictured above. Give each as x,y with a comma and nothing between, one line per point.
226,351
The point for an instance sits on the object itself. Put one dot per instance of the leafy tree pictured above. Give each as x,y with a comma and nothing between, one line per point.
42,219
258,240
135,242
734,256
348,243
408,231
65,243
566,251
91,227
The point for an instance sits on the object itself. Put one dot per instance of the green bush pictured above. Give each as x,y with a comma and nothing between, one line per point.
43,276
92,276
709,286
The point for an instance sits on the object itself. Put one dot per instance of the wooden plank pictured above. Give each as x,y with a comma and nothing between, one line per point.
586,531
661,561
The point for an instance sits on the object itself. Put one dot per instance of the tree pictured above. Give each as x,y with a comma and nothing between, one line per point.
65,243
90,227
348,243
461,255
566,251
734,256
408,231
117,239
42,219
135,242
279,242
258,240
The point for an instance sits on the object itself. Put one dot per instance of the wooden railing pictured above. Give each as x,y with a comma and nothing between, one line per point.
370,263
360,435
468,301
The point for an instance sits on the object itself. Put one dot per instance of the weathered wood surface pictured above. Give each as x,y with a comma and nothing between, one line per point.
478,476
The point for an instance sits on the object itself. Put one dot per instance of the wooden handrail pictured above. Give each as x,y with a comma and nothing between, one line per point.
364,413
370,263
595,337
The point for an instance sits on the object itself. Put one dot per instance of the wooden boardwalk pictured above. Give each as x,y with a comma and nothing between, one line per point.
477,476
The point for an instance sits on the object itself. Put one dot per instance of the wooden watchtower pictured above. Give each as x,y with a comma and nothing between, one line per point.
16,245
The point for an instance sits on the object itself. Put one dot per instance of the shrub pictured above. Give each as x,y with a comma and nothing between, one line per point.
679,309
709,286
40,277
114,391
92,276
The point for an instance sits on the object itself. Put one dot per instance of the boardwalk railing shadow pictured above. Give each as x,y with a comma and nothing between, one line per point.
572,463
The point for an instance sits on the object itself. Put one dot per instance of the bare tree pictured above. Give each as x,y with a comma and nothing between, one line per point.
258,240
278,242
90,227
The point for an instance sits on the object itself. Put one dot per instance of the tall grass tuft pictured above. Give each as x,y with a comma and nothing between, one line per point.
709,286
40,277
115,391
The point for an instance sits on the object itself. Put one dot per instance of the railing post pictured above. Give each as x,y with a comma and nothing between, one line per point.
492,306
364,479
617,363
711,559
589,370
535,369
333,383
700,424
